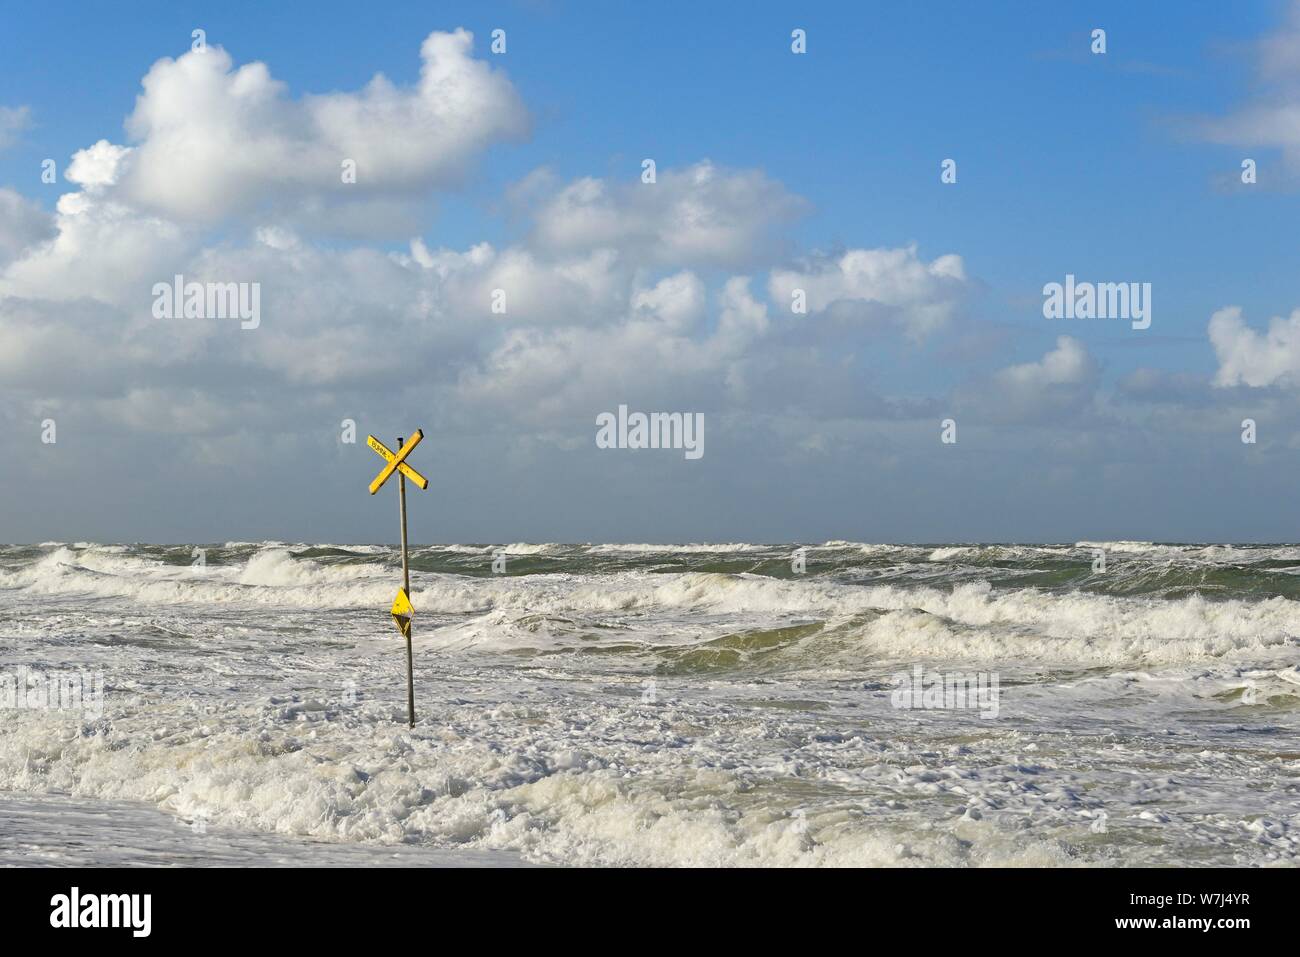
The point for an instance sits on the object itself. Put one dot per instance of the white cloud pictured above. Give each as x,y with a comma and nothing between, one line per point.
584,288
580,331
655,351
96,166
700,215
619,291
1056,387
676,302
1068,364
215,140
890,286
103,250
23,224
1255,359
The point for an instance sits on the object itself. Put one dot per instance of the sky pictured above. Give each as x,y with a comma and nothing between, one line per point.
500,270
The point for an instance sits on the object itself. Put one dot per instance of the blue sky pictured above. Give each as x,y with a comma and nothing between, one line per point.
1068,162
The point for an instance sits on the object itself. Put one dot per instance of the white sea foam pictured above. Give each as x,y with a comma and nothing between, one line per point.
528,548
685,549
944,554
515,776
626,712
552,805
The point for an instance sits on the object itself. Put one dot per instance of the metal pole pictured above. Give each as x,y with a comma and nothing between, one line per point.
406,586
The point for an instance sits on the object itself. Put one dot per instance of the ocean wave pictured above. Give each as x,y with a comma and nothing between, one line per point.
966,620
528,548
956,551
253,692
306,769
270,576
698,548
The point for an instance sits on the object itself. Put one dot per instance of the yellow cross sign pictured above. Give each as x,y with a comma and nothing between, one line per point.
402,611
396,462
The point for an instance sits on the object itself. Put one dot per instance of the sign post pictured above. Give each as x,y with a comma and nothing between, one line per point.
402,611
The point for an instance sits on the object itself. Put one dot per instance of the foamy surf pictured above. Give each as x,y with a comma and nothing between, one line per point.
694,705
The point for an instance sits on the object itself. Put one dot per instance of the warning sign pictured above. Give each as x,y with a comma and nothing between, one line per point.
402,612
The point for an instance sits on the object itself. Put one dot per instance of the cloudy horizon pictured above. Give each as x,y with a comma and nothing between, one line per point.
828,237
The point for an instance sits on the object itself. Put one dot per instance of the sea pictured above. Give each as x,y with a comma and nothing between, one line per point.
734,704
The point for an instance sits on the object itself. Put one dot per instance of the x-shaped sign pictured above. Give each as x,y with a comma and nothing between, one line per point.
396,462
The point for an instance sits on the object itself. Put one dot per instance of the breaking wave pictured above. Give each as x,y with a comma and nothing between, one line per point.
854,619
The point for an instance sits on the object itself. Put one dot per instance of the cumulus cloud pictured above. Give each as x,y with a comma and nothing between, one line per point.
891,287
213,140
656,352
1059,385
96,166
102,250
651,294
1067,365
1251,358
583,288
699,215
582,329
23,224
98,247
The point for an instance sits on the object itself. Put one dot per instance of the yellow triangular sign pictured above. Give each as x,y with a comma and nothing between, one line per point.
402,605
402,612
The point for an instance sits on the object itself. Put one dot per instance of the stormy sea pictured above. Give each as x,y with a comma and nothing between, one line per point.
844,703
